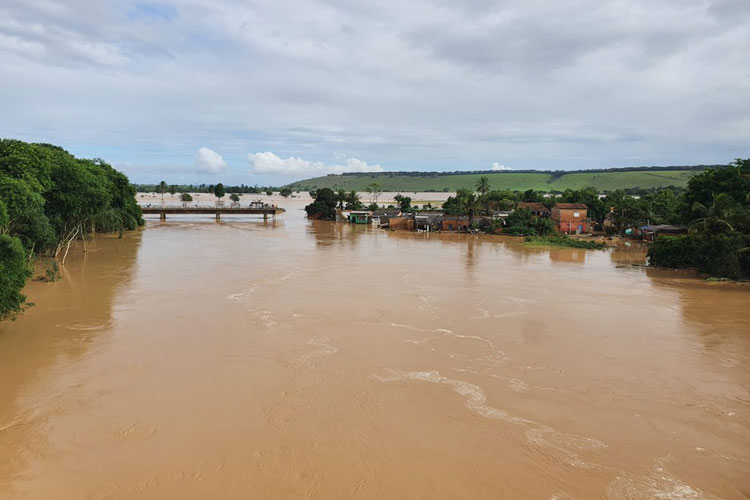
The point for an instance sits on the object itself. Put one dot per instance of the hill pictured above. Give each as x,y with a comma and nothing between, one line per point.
603,180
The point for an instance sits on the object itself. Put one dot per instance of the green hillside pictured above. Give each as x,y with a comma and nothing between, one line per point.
603,180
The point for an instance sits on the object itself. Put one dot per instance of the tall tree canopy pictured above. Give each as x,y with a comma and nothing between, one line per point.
49,197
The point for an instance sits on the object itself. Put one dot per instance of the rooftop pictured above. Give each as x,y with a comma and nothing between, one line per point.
581,206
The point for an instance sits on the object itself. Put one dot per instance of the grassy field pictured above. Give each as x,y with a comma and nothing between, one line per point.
515,181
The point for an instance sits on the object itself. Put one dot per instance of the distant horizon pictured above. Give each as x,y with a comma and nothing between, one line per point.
450,172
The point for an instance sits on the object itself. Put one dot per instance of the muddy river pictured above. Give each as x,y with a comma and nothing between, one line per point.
240,359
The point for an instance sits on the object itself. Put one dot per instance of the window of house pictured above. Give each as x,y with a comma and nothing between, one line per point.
576,214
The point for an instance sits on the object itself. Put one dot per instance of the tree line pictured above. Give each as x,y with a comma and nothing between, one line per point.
164,187
48,199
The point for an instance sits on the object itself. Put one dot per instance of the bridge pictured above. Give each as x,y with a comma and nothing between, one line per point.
163,210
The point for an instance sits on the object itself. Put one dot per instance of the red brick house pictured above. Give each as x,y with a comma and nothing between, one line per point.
571,218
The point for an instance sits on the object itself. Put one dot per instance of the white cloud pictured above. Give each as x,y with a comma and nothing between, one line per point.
209,161
269,163
498,167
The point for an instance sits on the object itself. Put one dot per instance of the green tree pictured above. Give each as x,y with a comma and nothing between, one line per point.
186,197
219,191
25,212
234,197
404,202
172,189
352,201
324,206
269,192
14,271
483,185
716,218
286,192
532,196
340,197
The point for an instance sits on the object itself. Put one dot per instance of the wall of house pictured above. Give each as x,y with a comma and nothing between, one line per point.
403,223
567,222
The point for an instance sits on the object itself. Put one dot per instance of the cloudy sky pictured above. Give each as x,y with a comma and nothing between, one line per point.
278,90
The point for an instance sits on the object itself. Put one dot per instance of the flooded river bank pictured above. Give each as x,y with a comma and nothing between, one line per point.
288,359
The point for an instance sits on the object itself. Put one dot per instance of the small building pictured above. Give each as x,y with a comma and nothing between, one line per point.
571,217
381,216
403,222
535,207
428,221
459,223
359,217
650,233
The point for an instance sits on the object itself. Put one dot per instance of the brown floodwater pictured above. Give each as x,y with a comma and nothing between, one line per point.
240,359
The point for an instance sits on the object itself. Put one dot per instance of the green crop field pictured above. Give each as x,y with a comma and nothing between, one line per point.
515,181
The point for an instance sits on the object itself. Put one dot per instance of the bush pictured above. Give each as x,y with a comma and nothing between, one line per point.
719,255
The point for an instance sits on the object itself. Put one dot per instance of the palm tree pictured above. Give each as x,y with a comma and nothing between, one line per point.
162,190
716,218
341,196
473,205
483,185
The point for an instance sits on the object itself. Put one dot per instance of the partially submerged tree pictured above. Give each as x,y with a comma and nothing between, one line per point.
375,192
162,188
219,191
324,206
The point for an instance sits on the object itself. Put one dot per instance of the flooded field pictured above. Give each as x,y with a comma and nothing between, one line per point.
240,359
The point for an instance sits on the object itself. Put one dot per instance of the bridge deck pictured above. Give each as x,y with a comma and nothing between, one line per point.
177,209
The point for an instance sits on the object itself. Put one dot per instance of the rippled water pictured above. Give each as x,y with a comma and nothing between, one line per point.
287,359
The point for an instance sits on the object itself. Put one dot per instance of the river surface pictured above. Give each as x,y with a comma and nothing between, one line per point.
199,359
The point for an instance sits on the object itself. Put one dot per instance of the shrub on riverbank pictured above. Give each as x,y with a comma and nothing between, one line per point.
722,255
561,240
51,198
719,240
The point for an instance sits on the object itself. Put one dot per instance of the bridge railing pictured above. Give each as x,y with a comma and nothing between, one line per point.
209,207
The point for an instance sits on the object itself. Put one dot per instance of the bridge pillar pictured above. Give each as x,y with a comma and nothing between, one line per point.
218,216
265,216
163,216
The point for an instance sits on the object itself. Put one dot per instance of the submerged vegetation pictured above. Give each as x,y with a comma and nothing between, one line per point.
562,240
48,199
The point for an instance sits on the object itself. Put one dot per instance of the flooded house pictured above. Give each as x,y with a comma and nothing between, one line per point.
359,217
428,221
571,218
381,216
651,232
459,223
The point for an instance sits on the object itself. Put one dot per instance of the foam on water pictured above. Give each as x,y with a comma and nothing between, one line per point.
326,349
659,484
88,326
475,400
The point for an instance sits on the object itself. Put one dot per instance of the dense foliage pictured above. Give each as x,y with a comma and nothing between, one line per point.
523,223
49,198
324,206
717,206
